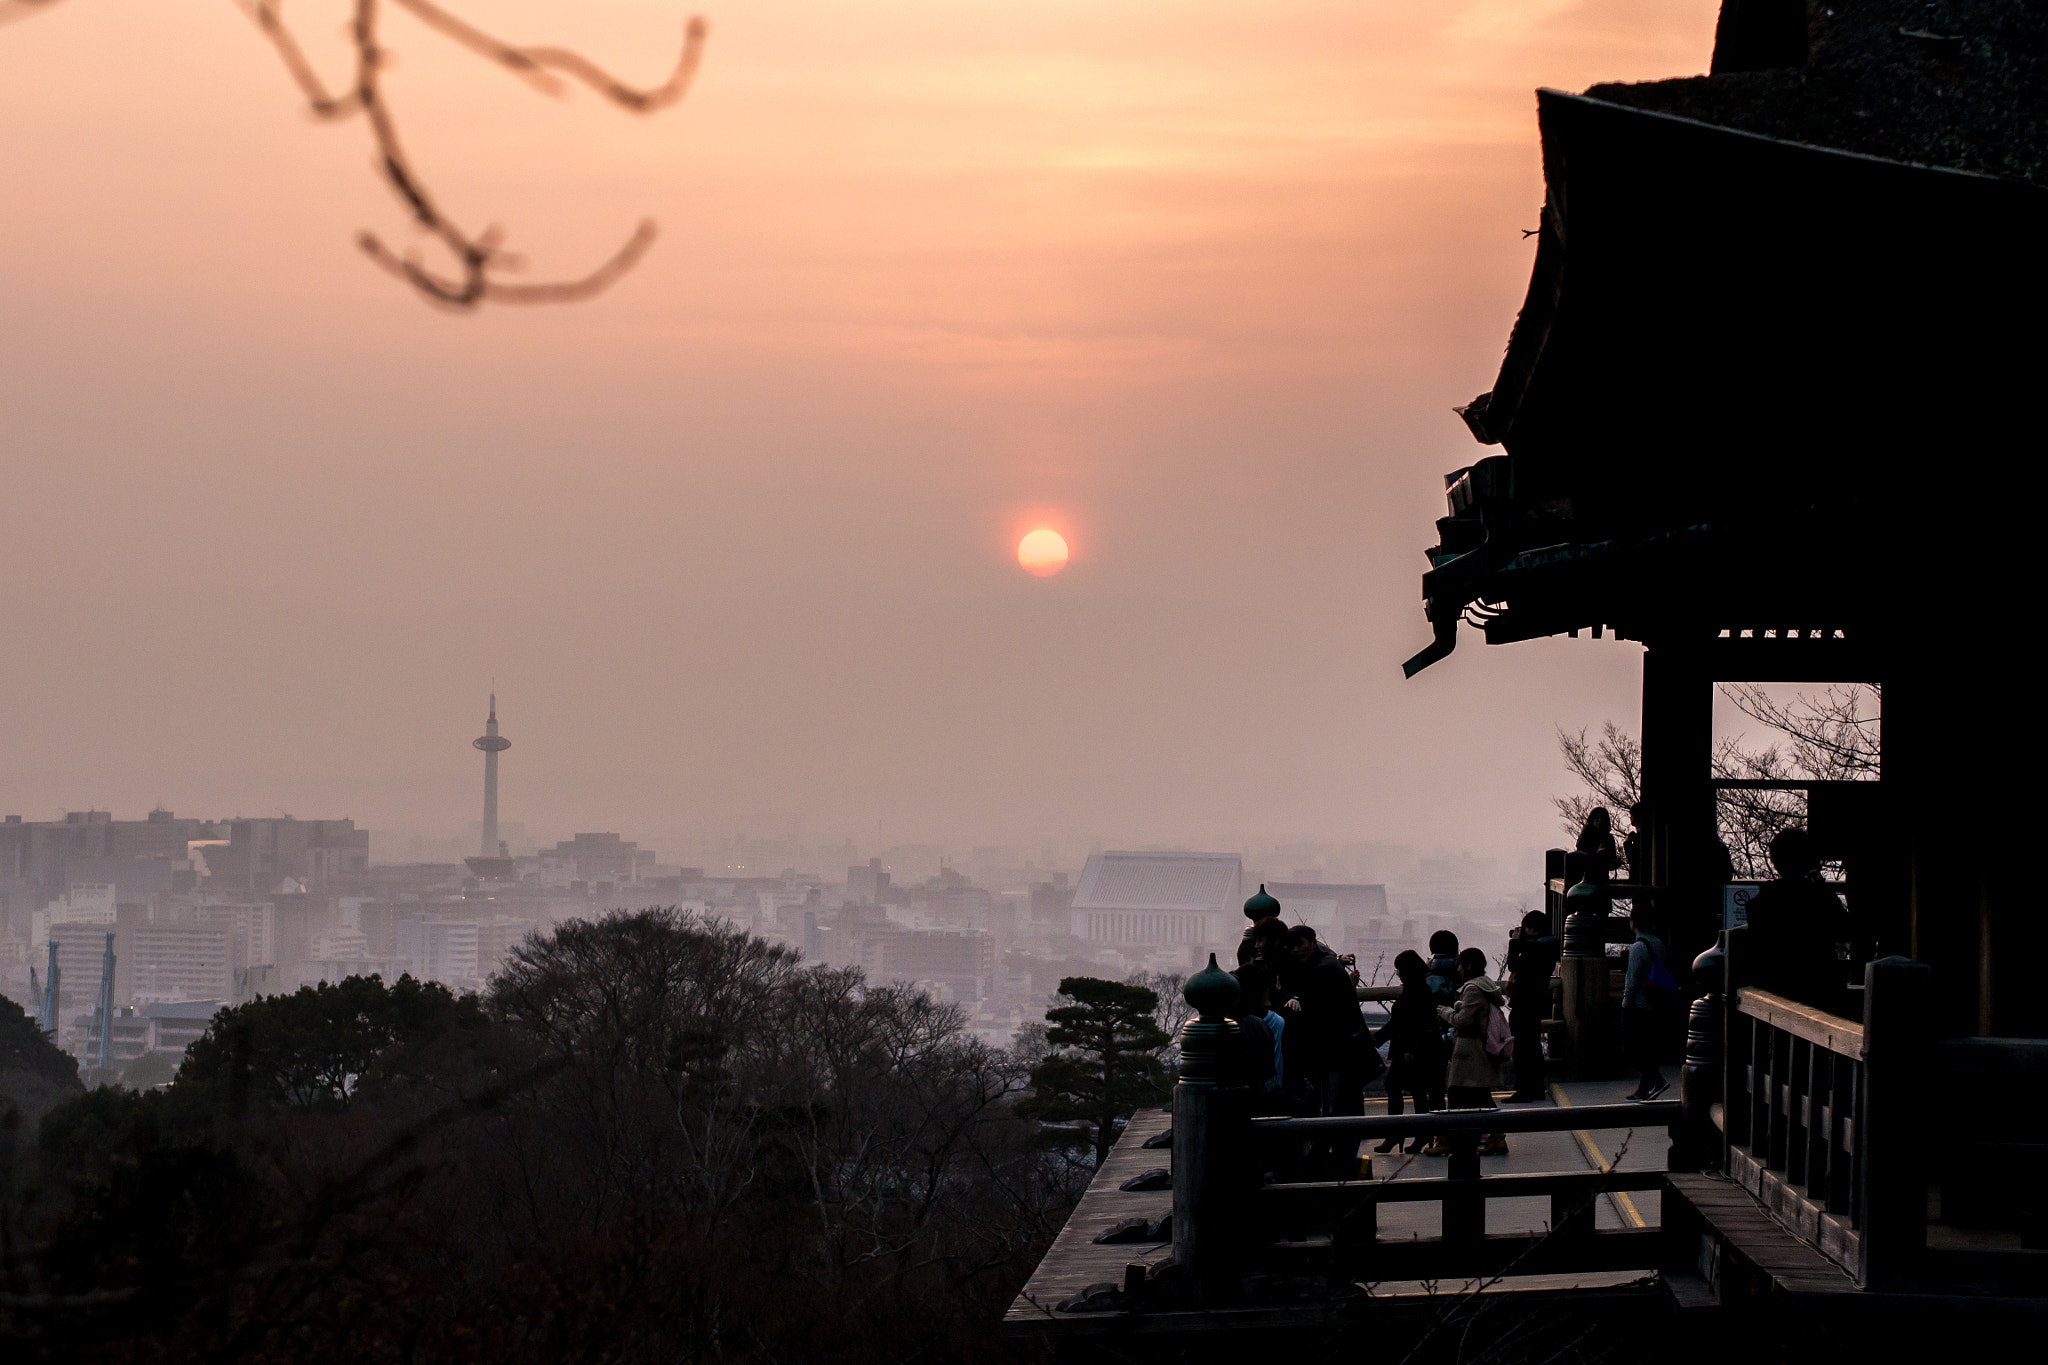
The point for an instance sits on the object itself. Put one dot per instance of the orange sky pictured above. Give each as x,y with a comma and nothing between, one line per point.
1195,283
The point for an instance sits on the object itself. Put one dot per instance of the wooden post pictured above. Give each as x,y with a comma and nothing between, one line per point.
1898,1001
1213,1162
1571,1215
1677,787
1699,1144
1735,1044
1588,1020
1464,1209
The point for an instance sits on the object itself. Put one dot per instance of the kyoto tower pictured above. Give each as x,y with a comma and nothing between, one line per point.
493,865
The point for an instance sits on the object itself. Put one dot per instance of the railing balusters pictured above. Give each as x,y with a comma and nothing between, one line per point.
1818,1151
1776,1067
1744,1079
1760,1087
1842,1136
1803,1111
1798,1073
1841,1192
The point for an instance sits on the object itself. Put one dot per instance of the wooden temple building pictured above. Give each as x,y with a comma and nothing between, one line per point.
1772,408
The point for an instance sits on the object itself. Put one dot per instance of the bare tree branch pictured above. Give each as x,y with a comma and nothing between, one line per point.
478,258
264,14
10,10
1835,735
533,64
1611,767
1832,736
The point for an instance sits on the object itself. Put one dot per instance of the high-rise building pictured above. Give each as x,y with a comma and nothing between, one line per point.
286,856
865,885
179,962
604,857
962,961
497,936
492,862
437,949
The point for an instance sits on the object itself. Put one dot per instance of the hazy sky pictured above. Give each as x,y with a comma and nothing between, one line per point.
1196,284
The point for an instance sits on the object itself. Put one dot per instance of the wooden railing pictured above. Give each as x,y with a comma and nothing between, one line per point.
1225,1220
1814,1113
1346,1211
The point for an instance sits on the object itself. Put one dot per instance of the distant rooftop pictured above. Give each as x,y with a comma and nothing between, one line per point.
1161,881
1329,904
183,1009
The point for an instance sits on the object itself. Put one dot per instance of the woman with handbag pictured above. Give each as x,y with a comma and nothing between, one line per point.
1475,1069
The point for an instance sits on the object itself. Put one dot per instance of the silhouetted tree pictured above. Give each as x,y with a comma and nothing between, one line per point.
659,1137
35,1074
1172,1010
1830,736
1109,1062
24,1047
149,1070
318,1045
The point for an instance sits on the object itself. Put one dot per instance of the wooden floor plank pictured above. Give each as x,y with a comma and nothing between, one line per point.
1075,1260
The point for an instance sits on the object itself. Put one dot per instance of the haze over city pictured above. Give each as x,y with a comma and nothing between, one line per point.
957,681
735,542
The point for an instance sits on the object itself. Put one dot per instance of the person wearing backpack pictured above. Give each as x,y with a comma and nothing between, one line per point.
1440,975
1481,1042
1649,1000
1441,971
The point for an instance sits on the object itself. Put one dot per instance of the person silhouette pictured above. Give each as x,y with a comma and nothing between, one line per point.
1596,844
1797,932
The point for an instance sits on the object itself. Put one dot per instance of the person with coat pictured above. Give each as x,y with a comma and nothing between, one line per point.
1474,1072
1649,1002
1596,845
1322,1008
1321,1001
1415,1045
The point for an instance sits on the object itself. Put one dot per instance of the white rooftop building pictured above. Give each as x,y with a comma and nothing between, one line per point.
1341,912
1178,905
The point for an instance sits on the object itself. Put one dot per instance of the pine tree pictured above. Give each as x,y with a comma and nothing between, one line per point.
1108,1062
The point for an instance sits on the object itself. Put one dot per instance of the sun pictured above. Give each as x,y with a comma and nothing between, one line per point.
1043,552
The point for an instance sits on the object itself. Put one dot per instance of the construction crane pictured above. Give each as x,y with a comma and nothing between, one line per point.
46,998
100,1046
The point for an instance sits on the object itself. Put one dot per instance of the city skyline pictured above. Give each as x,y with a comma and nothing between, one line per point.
739,536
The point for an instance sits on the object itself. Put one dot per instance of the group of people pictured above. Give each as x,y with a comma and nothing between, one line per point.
1309,1051
1798,942
1453,1031
1449,1035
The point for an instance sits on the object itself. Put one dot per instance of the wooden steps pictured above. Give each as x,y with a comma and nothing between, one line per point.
1737,1249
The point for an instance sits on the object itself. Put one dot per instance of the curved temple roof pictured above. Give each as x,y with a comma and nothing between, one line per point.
1754,381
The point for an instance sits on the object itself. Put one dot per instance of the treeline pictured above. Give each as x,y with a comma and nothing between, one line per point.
653,1138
